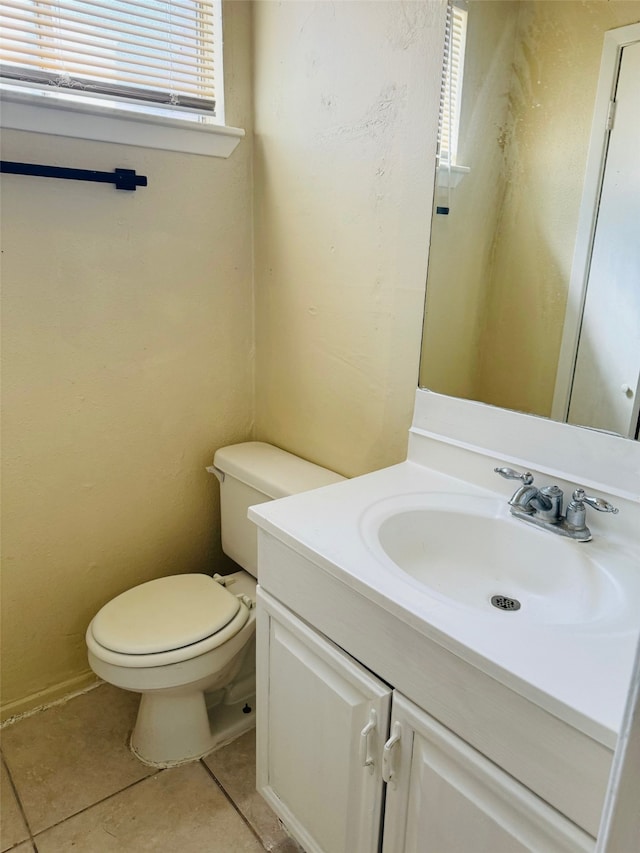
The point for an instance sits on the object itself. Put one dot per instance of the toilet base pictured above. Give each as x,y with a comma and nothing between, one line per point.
228,722
172,730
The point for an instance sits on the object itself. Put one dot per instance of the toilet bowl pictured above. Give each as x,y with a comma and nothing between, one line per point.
186,642
145,641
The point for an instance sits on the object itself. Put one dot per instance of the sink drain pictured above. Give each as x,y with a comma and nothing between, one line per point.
504,603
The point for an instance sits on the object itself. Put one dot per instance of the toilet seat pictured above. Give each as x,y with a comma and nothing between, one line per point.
165,621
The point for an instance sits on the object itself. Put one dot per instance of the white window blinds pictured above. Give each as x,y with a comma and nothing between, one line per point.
159,51
451,89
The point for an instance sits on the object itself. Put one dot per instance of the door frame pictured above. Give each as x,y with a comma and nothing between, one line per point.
614,42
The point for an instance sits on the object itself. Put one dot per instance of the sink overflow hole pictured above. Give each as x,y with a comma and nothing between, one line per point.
504,603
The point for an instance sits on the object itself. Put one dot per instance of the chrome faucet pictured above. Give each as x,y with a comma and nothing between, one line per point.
545,503
543,507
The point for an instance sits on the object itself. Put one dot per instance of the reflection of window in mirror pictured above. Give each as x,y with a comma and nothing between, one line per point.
451,93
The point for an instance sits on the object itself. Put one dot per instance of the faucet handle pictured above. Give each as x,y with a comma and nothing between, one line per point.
510,474
597,503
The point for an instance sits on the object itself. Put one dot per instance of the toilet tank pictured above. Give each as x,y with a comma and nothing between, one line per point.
252,473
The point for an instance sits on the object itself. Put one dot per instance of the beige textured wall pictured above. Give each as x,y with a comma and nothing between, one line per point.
127,360
128,319
555,79
346,99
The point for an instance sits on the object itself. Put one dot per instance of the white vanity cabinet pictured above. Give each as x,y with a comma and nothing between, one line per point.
334,740
443,796
322,723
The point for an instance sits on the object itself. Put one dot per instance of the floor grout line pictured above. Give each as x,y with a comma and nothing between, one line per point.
19,802
231,801
38,838
97,803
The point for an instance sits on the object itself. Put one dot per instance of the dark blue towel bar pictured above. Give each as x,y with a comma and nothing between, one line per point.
124,179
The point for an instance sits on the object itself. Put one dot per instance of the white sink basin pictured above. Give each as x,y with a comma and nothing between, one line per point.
467,550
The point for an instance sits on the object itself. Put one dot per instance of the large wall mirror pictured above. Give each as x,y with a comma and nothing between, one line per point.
533,289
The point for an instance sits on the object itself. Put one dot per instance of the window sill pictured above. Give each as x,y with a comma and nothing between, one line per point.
450,176
51,113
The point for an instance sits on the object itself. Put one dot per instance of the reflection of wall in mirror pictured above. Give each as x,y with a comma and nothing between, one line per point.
460,252
499,264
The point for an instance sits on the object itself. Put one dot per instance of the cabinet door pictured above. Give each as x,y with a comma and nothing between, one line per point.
322,720
444,797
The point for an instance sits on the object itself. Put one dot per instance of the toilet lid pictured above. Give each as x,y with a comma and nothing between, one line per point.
164,614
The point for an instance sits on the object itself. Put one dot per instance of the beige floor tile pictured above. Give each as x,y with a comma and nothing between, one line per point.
181,809
73,755
25,847
287,845
234,766
12,826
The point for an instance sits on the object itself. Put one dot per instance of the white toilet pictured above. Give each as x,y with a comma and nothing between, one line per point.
187,642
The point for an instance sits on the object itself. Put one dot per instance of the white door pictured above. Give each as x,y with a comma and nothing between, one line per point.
444,797
322,720
605,391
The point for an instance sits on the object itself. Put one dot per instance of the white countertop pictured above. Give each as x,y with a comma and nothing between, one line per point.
579,673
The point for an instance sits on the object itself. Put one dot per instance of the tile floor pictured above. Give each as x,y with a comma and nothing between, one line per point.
69,783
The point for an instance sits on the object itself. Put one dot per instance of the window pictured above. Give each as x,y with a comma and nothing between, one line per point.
154,61
451,89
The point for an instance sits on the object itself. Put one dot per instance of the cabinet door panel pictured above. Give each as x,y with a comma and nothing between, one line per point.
450,799
314,702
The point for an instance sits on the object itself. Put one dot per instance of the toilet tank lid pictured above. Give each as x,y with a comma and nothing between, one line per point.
270,470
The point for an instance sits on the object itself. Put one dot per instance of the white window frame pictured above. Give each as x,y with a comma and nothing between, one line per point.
128,122
449,172
452,82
